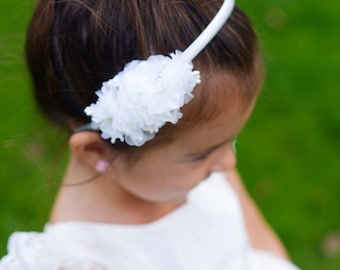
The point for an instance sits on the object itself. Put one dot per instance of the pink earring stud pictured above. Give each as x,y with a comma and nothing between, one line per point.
102,165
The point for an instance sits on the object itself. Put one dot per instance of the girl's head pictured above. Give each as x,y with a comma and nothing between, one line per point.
74,46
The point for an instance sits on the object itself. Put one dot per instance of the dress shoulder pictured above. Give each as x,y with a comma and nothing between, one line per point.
263,260
35,251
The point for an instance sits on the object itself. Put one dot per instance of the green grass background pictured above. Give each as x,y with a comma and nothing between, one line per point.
288,153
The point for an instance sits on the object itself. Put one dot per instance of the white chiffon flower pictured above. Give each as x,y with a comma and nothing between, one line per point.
138,101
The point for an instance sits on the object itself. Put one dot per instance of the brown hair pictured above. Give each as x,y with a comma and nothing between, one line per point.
75,45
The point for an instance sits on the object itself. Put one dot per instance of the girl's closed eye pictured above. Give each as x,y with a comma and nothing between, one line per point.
205,155
201,157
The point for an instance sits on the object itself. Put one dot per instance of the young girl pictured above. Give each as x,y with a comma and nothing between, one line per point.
151,182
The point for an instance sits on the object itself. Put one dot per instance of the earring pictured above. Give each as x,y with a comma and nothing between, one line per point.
102,165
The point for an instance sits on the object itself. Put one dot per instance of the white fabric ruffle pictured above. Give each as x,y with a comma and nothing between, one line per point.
35,251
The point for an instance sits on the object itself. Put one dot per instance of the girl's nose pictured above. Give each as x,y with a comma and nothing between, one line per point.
224,160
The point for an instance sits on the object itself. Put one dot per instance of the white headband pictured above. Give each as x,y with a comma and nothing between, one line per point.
138,101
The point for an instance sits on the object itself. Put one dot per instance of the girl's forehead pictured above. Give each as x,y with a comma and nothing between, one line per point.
225,127
221,93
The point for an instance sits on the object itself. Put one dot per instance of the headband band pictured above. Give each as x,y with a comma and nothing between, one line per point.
147,94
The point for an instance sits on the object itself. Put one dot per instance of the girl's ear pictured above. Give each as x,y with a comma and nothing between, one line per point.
90,148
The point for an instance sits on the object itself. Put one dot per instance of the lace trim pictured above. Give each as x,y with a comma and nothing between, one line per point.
34,251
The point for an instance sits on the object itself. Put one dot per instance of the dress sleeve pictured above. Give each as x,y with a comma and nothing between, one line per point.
262,260
35,251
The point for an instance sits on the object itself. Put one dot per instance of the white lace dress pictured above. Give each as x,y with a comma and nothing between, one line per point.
207,233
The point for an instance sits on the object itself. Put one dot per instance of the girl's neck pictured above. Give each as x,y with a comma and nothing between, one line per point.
101,200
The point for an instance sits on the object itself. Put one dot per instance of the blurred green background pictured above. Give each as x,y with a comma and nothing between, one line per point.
288,154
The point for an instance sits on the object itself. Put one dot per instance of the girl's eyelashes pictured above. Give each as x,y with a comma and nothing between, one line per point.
206,154
201,157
